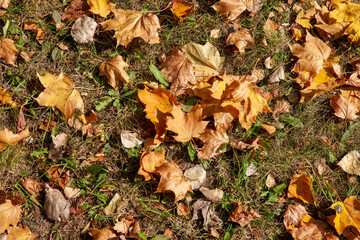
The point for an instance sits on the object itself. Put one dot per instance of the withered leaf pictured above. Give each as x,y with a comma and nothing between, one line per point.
214,195
128,226
300,188
214,141
56,207
293,215
196,175
60,92
182,209
150,162
243,214
102,234
129,24
344,108
115,72
83,30
101,7
31,186
350,163
8,51
347,214
182,9
7,138
233,8
76,9
5,3
9,214
59,176
172,179
17,233
6,98
241,39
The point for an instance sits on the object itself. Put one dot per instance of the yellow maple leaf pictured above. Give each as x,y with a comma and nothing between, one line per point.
347,214
303,20
114,71
149,162
60,92
6,98
7,138
300,188
241,39
17,233
129,24
101,7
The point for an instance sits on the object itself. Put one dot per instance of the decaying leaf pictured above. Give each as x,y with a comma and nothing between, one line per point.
347,214
270,181
111,207
5,3
214,195
350,163
59,140
17,233
71,192
214,141
241,39
251,170
322,167
6,98
280,107
130,139
293,215
76,9
59,176
101,7
178,70
31,186
8,51
182,209
182,9
172,179
102,234
83,30
233,8
128,226
129,24
277,75
7,138
56,207
344,108
300,188
269,128
203,210
270,26
243,214
115,72
196,175
9,214
150,162
60,92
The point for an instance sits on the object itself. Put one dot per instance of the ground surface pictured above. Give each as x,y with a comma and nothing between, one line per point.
282,153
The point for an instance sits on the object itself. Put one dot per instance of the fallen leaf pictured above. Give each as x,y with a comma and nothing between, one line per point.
251,170
344,108
59,140
102,234
214,195
270,181
347,214
7,138
178,70
59,176
215,33
241,39
214,141
8,51
206,59
303,20
172,179
280,107
296,33
182,9
322,167
130,139
71,192
182,209
269,27
186,126
350,163
277,75
245,146
55,206
293,215
60,92
196,175
27,56
269,63
300,188
17,233
6,98
31,186
128,226
233,8
269,128
203,210
111,207
5,3
10,214
76,9
129,24
328,142
114,70
101,7
243,214
83,30
150,162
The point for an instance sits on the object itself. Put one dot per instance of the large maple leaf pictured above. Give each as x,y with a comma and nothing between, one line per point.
9,214
8,51
8,138
129,24
214,140
186,126
60,92
101,7
347,214
233,8
114,71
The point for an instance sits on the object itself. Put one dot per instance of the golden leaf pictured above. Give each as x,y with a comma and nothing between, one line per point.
303,20
241,39
8,138
6,98
114,71
102,234
214,140
9,214
233,8
350,163
182,9
149,162
347,214
8,51
293,215
17,233
101,7
300,188
129,24
60,92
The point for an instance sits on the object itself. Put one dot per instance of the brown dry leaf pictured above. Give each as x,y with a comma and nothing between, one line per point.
76,9
269,63
322,167
312,55
27,56
196,176
300,188
149,162
243,214
350,163
128,226
328,142
343,108
59,176
203,210
115,72
5,3
270,181
31,186
55,205
178,70
270,26
303,20
9,214
172,179
7,138
293,215
182,9
347,214
102,234
277,75
280,107
241,39
206,59
6,98
245,146
182,209
60,92
186,126
101,7
17,233
129,24
269,128
214,141
8,51
296,33
233,8
214,195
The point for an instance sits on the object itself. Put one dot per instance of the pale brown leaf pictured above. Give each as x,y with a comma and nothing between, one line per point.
350,163
243,214
114,70
241,39
293,215
8,51
9,214
7,138
344,108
